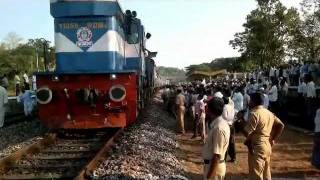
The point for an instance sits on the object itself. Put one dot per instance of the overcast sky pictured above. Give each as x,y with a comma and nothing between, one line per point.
184,32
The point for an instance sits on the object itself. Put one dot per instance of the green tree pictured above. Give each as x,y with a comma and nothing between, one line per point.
23,57
264,41
307,36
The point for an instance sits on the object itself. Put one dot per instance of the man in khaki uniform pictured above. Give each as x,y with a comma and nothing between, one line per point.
217,142
262,130
180,110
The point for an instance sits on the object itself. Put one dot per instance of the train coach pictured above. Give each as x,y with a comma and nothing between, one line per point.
103,74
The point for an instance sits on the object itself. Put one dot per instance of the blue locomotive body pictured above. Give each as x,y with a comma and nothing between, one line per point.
101,79
92,37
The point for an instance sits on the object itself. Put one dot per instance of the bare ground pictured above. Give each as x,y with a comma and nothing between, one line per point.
290,159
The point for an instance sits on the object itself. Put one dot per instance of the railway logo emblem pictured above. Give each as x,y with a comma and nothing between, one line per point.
84,36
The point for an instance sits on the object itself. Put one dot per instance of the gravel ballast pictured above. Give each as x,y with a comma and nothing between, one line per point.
146,150
17,136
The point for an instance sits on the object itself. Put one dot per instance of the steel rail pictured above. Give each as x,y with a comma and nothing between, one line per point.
87,171
36,147
34,158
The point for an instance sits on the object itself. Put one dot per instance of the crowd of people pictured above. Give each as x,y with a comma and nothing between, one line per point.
252,106
292,73
25,95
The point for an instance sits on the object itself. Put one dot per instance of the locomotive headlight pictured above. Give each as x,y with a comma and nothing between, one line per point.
117,93
55,78
44,95
113,77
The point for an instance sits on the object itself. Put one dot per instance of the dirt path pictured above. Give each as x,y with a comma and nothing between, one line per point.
290,159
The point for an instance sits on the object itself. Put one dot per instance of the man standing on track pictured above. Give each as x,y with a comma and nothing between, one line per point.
3,102
180,110
217,142
262,130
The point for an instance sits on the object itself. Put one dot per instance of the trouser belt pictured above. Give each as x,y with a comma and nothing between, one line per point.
209,161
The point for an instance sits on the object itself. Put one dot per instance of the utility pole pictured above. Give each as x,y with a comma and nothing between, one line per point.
37,59
45,53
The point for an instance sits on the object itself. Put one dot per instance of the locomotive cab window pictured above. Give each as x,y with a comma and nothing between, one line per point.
133,35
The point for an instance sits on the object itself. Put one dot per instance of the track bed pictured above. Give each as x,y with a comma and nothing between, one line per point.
57,157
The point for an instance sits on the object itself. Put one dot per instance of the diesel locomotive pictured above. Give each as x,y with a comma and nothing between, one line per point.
104,74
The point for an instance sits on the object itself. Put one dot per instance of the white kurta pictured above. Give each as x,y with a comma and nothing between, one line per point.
3,101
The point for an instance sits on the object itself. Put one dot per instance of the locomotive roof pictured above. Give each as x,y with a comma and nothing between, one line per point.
71,8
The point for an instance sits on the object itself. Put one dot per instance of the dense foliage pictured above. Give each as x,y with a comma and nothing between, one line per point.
170,72
230,64
19,56
273,35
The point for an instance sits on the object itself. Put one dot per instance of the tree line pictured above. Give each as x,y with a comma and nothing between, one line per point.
274,34
17,55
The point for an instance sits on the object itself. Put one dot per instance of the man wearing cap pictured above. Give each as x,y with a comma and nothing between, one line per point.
217,142
262,129
180,109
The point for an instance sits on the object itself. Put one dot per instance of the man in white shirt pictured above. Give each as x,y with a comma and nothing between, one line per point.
301,71
246,100
271,73
229,115
17,83
26,81
311,90
302,88
311,97
238,100
273,96
3,102
265,97
200,116
253,87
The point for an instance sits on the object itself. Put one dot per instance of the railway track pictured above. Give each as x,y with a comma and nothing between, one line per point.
56,157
